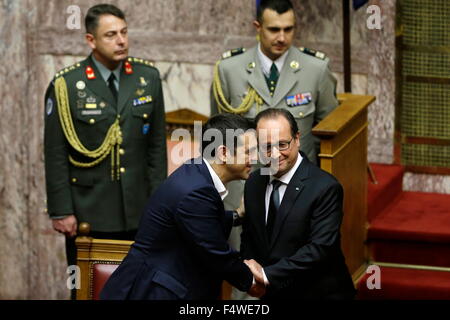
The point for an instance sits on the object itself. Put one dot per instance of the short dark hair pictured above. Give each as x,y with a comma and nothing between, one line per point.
279,6
275,113
94,13
219,124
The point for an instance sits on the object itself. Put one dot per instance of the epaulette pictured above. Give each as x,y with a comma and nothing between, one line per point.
141,61
231,53
67,69
314,53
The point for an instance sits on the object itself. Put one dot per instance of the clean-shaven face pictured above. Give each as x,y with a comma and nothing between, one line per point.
274,133
276,32
110,40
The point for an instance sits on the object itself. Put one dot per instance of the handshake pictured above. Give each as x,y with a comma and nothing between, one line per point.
258,288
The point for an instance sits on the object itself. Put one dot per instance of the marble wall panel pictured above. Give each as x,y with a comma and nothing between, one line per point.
14,190
381,84
186,85
426,183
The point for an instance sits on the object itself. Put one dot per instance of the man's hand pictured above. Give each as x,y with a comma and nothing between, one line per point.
241,209
258,289
256,269
67,226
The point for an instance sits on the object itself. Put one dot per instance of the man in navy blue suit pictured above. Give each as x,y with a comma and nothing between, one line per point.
181,249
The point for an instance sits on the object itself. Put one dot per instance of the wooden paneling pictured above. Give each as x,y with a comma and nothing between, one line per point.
343,153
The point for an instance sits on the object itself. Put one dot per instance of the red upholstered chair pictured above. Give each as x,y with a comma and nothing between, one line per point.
97,260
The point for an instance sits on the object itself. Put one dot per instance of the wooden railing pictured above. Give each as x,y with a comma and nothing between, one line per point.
343,153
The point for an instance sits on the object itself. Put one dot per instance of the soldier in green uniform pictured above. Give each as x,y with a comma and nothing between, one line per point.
274,74
105,141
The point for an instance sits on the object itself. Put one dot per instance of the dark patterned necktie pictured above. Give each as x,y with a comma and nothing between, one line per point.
112,86
274,204
273,78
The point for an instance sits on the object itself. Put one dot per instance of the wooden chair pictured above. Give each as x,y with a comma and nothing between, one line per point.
97,260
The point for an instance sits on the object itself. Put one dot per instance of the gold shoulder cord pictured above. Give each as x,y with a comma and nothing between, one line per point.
222,103
110,145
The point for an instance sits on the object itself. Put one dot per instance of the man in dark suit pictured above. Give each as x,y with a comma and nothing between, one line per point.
293,218
105,138
181,249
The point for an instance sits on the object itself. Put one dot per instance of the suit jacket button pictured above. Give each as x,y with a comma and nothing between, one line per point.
92,121
145,116
74,180
122,170
121,152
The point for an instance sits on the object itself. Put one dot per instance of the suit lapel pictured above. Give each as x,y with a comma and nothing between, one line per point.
256,79
127,84
288,78
293,191
98,85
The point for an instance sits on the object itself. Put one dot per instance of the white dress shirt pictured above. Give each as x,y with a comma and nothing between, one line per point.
266,62
285,179
218,184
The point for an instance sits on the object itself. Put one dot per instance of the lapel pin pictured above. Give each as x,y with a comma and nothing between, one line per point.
143,82
295,65
81,85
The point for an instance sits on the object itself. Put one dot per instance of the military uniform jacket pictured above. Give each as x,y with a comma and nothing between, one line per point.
305,87
110,198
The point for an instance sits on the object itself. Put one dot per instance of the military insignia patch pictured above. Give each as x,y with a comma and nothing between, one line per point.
145,128
128,68
49,106
90,74
91,112
299,99
142,100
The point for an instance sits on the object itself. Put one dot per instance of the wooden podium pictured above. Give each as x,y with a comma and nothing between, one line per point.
343,153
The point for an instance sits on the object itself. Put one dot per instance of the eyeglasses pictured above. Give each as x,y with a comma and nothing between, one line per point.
281,146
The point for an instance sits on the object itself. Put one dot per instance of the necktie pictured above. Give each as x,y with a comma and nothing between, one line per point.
274,204
112,86
273,78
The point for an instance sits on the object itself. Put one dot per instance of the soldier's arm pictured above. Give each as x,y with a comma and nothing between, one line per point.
59,196
157,150
326,100
214,109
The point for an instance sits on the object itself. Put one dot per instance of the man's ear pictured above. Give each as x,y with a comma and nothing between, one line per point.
222,153
90,39
257,25
297,138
